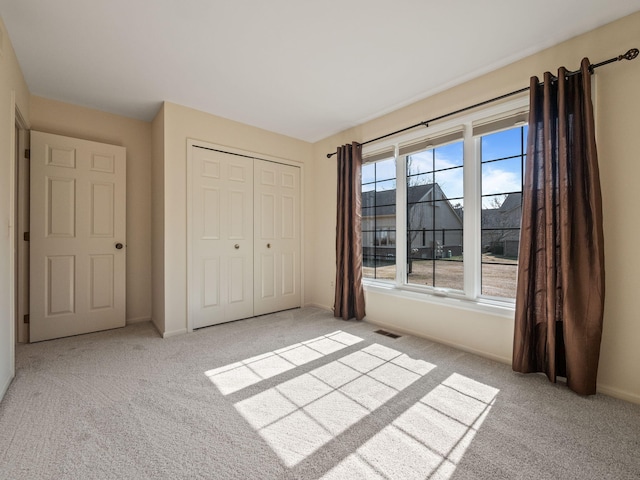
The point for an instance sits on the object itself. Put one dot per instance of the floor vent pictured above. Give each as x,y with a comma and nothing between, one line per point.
387,334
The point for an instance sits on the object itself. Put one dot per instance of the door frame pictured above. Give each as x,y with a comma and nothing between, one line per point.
245,153
21,211
19,127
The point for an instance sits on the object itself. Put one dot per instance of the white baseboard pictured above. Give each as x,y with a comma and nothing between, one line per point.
174,333
138,320
464,348
617,393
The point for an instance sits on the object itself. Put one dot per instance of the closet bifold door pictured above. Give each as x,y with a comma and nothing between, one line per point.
221,270
276,237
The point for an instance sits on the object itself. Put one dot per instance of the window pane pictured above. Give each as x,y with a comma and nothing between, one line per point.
385,200
368,173
385,170
434,217
367,187
502,144
502,176
450,274
449,156
388,185
420,162
420,179
420,272
501,210
446,217
442,273
499,280
379,220
367,212
450,183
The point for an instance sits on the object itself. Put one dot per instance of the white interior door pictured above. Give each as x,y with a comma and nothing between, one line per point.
221,232
77,236
277,237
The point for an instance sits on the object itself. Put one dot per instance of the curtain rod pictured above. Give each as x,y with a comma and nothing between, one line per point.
630,55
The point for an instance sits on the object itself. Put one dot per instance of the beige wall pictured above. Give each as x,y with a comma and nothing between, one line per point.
181,123
157,220
73,121
618,124
13,94
618,137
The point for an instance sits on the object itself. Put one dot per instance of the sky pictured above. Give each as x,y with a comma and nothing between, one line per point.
498,177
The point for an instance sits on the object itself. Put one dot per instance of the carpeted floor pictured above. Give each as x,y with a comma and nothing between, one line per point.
301,395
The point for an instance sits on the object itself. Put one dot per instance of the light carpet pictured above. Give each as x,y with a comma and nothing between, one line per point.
298,395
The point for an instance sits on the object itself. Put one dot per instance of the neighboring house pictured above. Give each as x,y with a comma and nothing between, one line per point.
501,227
434,225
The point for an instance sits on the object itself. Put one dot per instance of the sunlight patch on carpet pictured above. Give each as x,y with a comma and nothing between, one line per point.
426,441
236,376
299,416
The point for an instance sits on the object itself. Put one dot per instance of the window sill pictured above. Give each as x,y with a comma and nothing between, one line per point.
482,305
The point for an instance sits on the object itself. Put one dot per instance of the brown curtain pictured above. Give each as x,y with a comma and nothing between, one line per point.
349,300
560,295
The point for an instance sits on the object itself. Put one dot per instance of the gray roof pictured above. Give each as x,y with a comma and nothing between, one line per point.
506,216
385,201
513,200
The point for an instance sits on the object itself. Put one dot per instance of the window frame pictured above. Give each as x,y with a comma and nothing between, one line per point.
471,297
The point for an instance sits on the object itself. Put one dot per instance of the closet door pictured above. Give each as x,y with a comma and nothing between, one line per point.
221,231
277,237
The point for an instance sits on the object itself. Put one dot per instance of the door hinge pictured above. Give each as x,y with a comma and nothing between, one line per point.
26,318
27,154
27,237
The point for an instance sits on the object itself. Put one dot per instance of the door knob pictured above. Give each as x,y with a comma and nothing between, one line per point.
236,246
119,246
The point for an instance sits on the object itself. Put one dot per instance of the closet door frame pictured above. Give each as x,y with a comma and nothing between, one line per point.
257,156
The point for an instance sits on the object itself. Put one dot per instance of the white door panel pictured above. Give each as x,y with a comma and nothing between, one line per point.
277,237
221,230
78,215
244,230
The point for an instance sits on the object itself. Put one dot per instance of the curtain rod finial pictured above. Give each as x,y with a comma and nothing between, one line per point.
630,55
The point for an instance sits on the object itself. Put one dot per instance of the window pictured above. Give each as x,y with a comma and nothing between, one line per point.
379,218
385,238
502,159
435,198
451,227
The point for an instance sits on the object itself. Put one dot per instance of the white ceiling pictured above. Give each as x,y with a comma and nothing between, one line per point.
302,68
